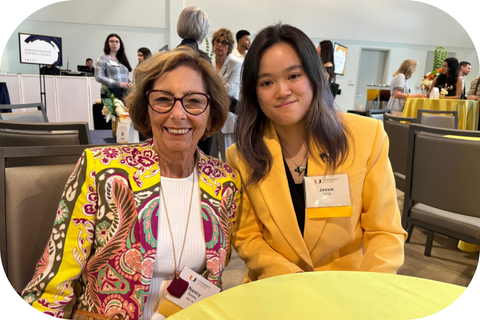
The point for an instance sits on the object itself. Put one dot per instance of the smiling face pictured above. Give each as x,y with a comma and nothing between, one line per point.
140,57
177,131
114,44
284,91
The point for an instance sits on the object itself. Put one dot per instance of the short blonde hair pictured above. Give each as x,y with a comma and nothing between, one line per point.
160,63
228,37
406,68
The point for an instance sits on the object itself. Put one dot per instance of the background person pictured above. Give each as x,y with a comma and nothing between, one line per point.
474,93
229,70
89,64
287,126
243,44
112,68
128,211
465,68
325,50
399,90
448,79
142,54
193,26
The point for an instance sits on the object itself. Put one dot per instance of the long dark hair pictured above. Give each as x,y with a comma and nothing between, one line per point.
323,127
326,54
145,52
452,75
122,58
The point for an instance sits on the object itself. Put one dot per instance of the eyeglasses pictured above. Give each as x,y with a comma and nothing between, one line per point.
114,41
162,102
223,43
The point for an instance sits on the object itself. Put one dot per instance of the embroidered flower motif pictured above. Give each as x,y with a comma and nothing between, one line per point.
147,267
110,153
102,232
62,213
30,298
214,265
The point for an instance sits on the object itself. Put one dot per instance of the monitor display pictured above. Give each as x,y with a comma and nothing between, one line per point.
340,58
38,49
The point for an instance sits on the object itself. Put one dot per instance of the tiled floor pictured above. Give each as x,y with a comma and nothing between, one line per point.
446,263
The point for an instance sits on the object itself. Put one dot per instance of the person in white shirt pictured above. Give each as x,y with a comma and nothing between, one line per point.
243,44
465,67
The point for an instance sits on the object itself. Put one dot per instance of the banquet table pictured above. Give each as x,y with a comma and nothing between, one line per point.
328,295
468,110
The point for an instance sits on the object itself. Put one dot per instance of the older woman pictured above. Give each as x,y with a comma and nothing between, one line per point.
288,126
133,216
112,68
229,69
399,91
449,79
193,26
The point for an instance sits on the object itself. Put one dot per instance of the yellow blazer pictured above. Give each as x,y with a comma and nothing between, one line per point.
267,236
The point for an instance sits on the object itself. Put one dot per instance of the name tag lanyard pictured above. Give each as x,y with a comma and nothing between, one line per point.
328,196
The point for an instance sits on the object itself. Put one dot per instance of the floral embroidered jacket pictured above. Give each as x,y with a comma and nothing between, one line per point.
101,254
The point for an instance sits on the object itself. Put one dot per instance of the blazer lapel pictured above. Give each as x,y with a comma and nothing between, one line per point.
314,227
276,194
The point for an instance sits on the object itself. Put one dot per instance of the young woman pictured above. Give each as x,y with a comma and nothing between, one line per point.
287,130
399,91
142,54
449,79
112,67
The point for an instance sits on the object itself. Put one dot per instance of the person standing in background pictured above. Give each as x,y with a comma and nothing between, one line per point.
465,68
474,93
325,50
112,68
142,54
399,90
229,70
243,44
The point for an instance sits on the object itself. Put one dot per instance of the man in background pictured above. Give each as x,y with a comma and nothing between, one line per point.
89,64
464,71
50,70
243,44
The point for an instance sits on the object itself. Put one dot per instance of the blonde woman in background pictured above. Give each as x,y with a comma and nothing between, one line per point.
399,90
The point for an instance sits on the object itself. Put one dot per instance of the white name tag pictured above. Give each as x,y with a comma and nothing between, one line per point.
328,196
198,289
114,63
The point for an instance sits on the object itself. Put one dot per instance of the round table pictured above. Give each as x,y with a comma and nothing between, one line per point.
328,295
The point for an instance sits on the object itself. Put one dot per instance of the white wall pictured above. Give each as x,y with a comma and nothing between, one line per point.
406,28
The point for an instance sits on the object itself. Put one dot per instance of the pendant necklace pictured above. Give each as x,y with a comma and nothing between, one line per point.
299,168
178,286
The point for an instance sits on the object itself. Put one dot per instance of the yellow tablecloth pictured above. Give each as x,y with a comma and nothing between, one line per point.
468,110
328,295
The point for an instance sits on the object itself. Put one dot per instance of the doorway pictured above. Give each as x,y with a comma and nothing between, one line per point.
372,70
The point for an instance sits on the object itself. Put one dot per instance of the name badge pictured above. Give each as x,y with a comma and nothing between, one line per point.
198,289
114,63
328,196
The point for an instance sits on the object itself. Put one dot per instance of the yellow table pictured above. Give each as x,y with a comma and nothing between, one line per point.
468,110
328,295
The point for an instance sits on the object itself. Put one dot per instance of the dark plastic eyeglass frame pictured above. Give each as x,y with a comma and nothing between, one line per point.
223,43
175,99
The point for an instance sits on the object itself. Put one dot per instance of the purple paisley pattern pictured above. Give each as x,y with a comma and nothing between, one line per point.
112,230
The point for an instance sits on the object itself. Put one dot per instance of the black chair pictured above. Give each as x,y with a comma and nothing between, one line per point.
378,113
32,180
15,134
442,184
397,131
39,115
438,118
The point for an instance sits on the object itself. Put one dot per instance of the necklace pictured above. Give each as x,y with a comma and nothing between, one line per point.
178,286
299,168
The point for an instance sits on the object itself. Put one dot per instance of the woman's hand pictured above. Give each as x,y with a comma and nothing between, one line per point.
419,95
124,85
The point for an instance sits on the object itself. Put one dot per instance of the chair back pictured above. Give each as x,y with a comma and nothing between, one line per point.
397,153
438,118
389,117
442,171
39,115
15,134
377,113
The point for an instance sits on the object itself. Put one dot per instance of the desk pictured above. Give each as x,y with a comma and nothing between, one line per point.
468,110
328,295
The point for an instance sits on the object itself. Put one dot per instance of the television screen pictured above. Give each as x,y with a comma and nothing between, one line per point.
340,58
38,49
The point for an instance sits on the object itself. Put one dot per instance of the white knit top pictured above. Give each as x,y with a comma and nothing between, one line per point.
177,198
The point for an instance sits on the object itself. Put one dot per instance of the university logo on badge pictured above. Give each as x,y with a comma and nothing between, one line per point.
319,181
193,280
